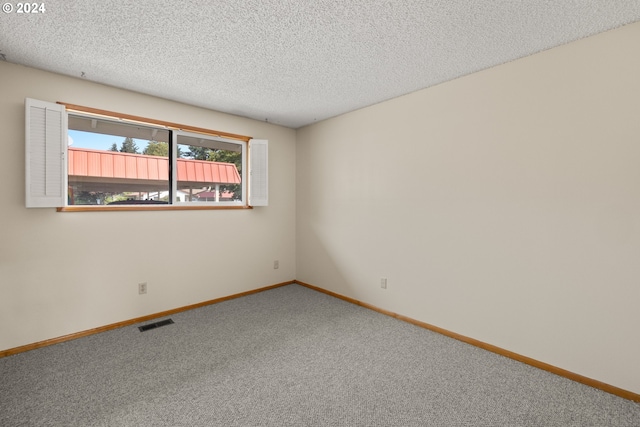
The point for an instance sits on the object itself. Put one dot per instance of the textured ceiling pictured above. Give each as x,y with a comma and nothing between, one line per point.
293,62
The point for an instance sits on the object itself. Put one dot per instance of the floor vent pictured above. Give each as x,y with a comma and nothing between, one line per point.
155,325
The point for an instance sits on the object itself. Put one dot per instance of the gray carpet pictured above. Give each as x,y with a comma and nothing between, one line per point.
289,357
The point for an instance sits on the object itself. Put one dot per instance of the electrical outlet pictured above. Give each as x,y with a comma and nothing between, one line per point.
276,264
142,288
383,282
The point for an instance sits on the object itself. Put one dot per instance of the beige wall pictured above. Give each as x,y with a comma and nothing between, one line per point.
504,206
62,273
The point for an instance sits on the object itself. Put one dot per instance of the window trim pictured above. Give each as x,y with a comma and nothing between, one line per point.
243,140
181,207
146,121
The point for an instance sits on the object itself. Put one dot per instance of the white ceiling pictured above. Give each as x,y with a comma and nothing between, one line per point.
293,62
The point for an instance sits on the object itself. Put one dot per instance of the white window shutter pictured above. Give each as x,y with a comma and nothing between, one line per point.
46,147
258,172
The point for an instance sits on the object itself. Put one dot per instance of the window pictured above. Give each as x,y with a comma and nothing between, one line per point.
209,170
112,161
121,163
116,163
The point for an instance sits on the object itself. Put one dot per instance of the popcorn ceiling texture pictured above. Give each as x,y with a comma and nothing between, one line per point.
293,62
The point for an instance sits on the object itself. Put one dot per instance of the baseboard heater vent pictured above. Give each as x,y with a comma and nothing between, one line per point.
155,325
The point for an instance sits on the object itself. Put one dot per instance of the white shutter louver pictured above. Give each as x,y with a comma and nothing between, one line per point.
258,172
45,150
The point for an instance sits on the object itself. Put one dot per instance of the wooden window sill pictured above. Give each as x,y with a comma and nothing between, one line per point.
90,208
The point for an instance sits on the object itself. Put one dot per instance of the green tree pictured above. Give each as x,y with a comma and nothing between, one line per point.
114,147
197,153
128,146
159,148
155,148
225,156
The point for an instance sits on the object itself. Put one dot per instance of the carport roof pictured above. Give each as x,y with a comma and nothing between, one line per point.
84,162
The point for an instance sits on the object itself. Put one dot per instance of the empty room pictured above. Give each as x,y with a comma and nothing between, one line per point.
399,213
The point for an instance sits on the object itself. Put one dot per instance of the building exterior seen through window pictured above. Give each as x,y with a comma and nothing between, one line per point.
111,162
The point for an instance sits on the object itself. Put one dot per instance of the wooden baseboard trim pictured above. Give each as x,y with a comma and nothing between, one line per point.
489,347
105,328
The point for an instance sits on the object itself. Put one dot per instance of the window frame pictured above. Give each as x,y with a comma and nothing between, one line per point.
175,129
173,159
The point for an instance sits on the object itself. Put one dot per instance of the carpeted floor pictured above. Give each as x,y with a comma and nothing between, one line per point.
289,357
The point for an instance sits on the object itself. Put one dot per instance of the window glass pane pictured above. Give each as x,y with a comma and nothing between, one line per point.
116,163
208,170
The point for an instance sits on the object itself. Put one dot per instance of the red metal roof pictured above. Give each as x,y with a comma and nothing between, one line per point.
113,164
